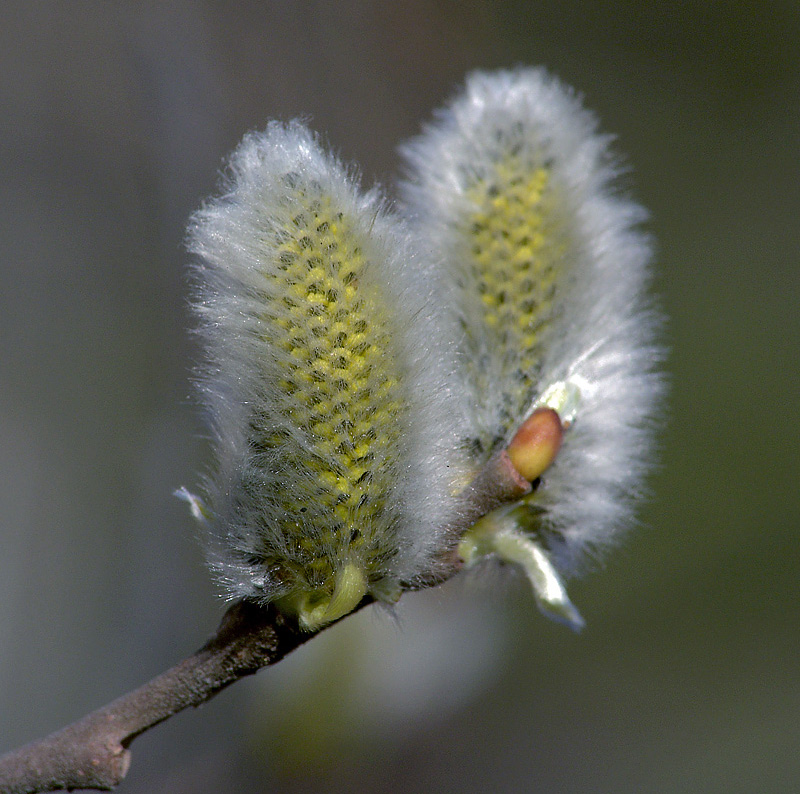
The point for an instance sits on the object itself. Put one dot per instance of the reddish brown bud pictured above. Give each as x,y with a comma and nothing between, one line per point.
536,443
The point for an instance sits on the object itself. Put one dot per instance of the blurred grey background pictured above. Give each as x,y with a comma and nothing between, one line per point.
114,119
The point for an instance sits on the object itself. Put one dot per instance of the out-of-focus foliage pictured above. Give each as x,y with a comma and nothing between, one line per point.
113,122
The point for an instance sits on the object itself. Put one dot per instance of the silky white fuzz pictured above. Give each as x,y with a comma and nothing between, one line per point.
512,194
325,383
360,368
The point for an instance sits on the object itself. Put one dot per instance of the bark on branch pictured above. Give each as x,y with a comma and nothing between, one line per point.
93,753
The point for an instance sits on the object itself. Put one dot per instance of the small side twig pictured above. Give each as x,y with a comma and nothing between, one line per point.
93,753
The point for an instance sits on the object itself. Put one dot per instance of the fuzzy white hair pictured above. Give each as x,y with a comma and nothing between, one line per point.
360,366
325,381
513,194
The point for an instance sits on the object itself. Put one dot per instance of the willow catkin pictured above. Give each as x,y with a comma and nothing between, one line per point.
513,193
334,442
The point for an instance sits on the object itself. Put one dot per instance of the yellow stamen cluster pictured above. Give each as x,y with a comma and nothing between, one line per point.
514,260
337,384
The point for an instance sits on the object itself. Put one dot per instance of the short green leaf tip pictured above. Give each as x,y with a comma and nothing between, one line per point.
500,535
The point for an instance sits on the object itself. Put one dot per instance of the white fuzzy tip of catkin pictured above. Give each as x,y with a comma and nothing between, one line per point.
512,193
324,382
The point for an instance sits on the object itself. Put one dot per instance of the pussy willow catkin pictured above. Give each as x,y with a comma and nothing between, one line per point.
323,382
512,192
361,364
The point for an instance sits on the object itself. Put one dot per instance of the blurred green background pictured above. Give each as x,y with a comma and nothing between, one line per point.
114,119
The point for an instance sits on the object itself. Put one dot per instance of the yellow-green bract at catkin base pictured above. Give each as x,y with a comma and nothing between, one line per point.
512,192
334,472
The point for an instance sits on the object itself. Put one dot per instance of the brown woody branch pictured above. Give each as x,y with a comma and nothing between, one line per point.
93,753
